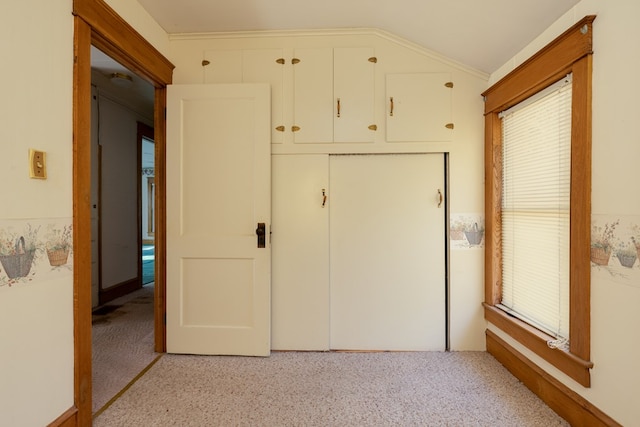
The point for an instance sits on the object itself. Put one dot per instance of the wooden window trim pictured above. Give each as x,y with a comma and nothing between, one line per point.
572,53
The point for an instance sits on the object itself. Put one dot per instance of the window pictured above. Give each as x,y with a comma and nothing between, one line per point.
536,166
537,201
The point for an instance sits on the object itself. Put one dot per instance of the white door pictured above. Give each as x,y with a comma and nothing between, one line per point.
218,190
387,252
300,277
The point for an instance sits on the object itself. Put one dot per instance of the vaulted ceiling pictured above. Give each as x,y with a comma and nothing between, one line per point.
482,34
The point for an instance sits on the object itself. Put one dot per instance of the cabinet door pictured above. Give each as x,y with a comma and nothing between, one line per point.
300,252
354,91
225,66
418,107
262,66
313,95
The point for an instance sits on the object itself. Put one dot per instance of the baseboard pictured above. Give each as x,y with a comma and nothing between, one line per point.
68,419
119,290
565,402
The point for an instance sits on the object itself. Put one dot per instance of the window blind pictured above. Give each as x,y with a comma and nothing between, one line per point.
535,209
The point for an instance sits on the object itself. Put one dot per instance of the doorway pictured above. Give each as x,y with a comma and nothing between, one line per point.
95,23
122,197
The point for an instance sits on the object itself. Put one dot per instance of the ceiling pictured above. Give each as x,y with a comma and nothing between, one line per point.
482,34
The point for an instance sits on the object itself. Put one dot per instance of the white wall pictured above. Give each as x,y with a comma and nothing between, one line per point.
36,323
36,316
118,192
615,317
466,148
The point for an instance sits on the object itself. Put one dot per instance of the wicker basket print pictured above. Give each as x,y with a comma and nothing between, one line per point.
600,256
57,257
19,264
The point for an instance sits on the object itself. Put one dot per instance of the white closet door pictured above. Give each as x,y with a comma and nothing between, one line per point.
387,252
300,257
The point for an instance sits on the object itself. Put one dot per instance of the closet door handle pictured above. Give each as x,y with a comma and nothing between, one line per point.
391,106
440,198
324,197
338,107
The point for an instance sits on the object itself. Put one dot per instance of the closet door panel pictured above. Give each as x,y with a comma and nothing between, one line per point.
387,252
300,252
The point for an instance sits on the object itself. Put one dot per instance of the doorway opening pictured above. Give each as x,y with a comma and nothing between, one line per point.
95,23
123,221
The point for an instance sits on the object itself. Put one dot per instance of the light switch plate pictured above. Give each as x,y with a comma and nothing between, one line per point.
37,164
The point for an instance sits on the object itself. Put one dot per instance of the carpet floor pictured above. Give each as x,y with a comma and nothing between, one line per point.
123,342
329,389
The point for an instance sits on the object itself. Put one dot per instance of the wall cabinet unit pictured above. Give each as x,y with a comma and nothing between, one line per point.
319,95
419,107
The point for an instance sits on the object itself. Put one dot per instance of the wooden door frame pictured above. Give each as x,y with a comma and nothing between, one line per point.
97,24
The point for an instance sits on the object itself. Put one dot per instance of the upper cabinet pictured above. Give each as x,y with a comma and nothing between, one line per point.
334,95
251,66
419,107
319,95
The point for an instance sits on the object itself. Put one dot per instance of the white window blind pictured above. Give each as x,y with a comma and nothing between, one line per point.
535,209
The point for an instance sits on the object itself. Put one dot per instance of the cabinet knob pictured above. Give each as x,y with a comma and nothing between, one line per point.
280,128
295,128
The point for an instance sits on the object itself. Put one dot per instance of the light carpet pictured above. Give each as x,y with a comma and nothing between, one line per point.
329,389
123,343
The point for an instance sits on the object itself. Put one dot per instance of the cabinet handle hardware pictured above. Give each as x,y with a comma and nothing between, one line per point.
205,62
439,198
295,61
373,59
295,128
391,106
449,84
324,197
449,125
373,127
280,128
338,106
280,61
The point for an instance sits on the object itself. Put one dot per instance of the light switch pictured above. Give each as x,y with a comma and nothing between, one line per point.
37,164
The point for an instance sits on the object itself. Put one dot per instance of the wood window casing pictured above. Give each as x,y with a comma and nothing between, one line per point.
572,53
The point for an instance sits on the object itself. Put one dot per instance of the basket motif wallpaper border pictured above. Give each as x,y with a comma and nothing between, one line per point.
466,231
35,251
615,249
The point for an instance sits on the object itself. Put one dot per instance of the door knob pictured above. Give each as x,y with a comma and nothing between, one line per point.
261,233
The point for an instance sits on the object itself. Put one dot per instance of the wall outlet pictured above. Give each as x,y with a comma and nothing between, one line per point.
37,164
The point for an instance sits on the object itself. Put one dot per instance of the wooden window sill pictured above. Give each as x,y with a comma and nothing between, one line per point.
536,341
